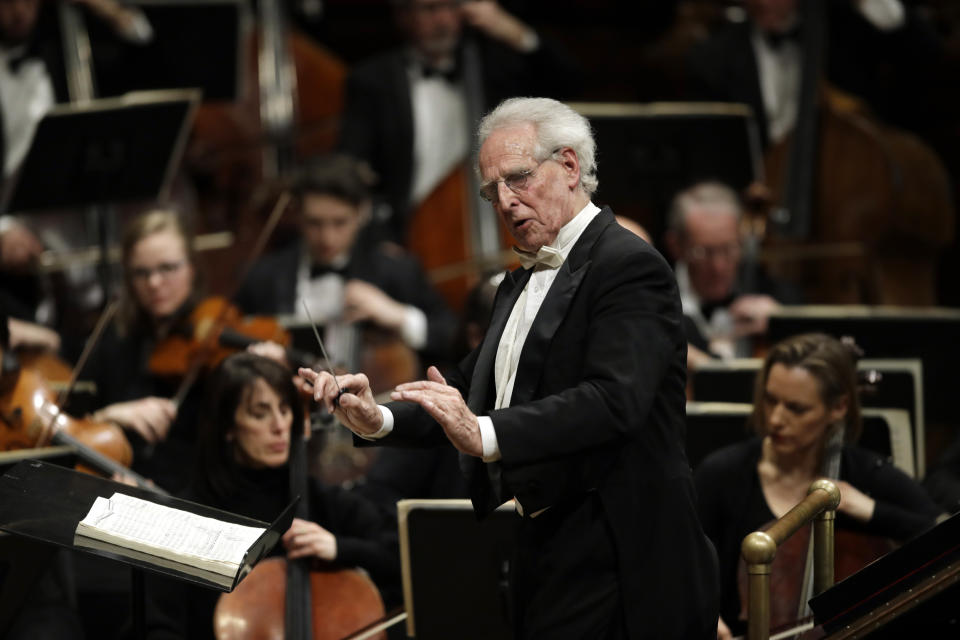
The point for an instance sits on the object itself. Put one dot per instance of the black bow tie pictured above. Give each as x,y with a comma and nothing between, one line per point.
318,270
15,62
776,39
708,308
450,75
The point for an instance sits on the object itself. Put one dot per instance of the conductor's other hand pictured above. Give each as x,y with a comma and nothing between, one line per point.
355,407
445,405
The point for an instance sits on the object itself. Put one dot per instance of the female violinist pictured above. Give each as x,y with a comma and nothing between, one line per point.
253,427
160,289
805,401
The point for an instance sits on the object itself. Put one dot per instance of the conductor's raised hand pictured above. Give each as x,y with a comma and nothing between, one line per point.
445,404
355,407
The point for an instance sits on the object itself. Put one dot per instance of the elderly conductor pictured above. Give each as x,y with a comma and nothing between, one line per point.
574,403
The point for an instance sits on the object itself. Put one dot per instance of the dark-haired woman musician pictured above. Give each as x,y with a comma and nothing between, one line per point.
253,425
806,395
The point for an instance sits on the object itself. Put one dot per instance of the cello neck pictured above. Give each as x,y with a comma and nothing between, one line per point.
77,53
278,88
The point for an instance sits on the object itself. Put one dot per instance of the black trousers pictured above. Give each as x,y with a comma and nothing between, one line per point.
565,578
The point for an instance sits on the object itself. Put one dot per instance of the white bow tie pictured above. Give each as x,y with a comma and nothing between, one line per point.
547,256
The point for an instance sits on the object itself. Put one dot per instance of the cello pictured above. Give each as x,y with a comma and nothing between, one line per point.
283,598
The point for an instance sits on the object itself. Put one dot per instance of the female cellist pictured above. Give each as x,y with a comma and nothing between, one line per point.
252,429
805,401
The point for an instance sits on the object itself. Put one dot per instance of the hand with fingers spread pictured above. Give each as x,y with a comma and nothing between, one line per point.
150,417
355,407
445,405
305,539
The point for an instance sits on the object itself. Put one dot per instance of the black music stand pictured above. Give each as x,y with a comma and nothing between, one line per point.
43,503
444,550
104,152
929,334
649,152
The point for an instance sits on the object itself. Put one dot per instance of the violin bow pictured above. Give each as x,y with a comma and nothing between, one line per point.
105,316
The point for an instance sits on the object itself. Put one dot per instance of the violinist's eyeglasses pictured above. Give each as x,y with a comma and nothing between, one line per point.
516,182
164,270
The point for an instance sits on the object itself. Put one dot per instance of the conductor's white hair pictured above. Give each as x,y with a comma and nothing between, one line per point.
556,125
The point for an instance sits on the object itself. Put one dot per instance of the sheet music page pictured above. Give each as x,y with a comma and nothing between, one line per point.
168,532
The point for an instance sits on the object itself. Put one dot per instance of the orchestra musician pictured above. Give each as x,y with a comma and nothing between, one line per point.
723,311
558,410
410,112
806,395
876,47
33,79
253,424
161,288
342,274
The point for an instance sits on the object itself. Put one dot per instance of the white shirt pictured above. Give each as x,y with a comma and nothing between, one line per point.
718,330
25,96
779,68
441,138
324,297
515,333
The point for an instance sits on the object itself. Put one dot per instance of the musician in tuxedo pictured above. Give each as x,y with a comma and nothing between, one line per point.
726,303
32,81
877,50
410,112
340,272
573,405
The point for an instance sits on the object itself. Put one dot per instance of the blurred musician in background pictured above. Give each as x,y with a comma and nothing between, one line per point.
722,310
32,79
410,112
160,290
344,277
806,414
876,47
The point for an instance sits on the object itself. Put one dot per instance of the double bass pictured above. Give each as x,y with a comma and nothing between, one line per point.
861,208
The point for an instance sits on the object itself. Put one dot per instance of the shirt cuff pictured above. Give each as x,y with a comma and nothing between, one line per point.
885,15
385,429
488,439
136,29
530,41
414,331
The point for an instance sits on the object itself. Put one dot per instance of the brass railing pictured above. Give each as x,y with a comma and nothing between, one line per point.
760,547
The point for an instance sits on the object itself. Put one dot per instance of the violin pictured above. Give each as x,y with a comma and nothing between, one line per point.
30,418
216,329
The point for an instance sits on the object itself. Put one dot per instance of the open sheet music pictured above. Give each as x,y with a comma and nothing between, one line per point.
201,542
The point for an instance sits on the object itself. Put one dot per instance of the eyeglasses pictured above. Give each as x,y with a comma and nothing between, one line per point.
723,251
164,270
516,182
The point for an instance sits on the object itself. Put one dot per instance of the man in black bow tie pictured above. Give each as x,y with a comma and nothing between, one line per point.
703,237
874,49
410,112
572,405
344,277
